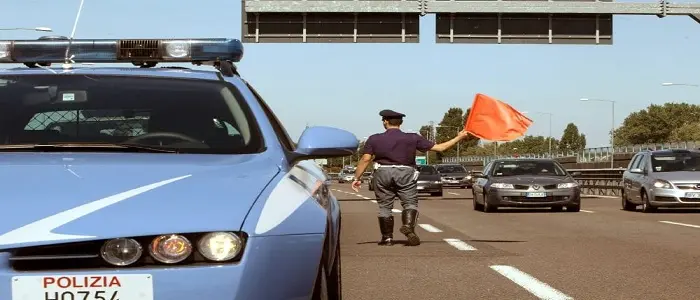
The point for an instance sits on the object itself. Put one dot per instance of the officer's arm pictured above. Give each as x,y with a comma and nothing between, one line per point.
446,145
362,165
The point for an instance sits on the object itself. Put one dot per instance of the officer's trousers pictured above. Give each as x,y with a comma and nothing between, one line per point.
392,182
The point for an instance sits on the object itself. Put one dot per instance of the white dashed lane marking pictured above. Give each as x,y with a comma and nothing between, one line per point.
587,211
451,193
680,224
373,201
460,245
540,289
429,228
396,210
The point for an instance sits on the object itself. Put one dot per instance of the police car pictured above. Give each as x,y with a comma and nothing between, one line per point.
146,182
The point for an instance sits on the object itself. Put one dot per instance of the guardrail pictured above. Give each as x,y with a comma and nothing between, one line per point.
598,182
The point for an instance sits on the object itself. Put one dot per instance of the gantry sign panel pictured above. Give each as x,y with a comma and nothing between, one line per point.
524,28
324,27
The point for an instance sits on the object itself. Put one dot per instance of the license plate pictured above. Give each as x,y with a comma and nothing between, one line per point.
83,287
536,195
692,195
453,181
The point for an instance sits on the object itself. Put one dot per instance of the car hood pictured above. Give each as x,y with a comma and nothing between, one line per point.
427,177
529,179
60,197
685,176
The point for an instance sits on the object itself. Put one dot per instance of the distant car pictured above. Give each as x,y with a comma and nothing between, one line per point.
429,181
526,182
346,176
142,182
662,178
454,175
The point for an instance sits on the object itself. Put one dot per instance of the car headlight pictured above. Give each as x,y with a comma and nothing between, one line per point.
468,177
121,252
567,185
502,185
170,249
219,246
437,182
662,184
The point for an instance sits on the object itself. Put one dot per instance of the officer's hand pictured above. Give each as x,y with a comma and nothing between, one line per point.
463,134
356,185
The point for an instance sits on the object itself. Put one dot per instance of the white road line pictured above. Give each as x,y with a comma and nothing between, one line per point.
429,228
366,198
531,284
587,211
373,201
396,210
451,193
460,245
681,224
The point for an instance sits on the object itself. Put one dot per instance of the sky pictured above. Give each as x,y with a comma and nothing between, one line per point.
346,85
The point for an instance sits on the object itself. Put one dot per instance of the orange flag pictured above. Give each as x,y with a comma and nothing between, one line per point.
493,120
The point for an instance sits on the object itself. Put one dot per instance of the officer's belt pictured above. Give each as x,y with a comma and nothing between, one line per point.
395,166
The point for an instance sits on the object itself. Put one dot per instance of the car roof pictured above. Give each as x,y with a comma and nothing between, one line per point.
525,159
167,72
673,151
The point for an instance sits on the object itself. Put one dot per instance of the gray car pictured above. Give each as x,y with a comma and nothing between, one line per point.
662,178
429,181
526,182
454,175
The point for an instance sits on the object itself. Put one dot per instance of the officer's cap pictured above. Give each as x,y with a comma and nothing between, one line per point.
390,114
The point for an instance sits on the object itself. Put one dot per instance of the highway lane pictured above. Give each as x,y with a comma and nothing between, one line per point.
601,252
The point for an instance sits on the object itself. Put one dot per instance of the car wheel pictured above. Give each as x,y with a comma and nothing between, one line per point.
463,187
626,204
438,194
477,206
489,207
646,206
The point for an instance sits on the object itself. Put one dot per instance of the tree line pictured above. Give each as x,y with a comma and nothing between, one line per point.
669,122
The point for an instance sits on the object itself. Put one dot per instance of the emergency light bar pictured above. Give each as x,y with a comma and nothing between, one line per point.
53,50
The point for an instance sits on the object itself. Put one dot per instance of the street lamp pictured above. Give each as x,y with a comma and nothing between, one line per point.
42,29
682,84
550,128
612,132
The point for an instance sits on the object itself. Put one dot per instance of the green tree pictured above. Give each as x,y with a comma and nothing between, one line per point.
686,133
453,122
529,144
572,140
655,123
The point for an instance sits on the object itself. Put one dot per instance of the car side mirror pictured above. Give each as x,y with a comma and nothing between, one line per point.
637,171
325,142
575,174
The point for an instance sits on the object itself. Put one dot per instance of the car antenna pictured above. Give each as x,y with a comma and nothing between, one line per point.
68,61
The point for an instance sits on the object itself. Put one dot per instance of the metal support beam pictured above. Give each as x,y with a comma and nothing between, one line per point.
442,6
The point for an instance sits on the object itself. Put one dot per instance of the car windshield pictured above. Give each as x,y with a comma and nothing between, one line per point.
527,167
675,162
183,115
451,169
427,170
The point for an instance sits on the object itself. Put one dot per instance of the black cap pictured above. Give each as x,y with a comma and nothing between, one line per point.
390,114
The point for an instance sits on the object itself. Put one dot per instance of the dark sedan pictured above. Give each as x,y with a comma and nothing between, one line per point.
526,183
429,181
454,175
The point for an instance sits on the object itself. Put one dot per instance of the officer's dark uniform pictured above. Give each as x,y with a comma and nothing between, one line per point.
395,152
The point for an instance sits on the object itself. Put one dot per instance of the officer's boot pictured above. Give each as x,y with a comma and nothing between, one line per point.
386,226
409,218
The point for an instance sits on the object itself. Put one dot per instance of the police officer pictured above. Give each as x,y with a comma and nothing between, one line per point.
396,176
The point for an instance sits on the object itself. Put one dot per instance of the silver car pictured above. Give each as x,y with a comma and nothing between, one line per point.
662,178
526,182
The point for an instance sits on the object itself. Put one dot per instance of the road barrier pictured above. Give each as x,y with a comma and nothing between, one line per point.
598,182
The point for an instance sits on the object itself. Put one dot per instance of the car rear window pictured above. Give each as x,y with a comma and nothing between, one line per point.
451,169
187,115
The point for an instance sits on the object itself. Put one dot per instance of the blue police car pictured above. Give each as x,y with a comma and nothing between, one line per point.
146,182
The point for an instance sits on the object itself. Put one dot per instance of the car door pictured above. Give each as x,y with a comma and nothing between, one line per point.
480,182
636,180
628,177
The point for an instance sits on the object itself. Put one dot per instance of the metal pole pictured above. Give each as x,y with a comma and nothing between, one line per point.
612,138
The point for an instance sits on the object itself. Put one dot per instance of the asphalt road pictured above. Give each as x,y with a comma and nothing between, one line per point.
601,252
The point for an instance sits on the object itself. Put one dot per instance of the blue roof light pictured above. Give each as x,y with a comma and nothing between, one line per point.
137,51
